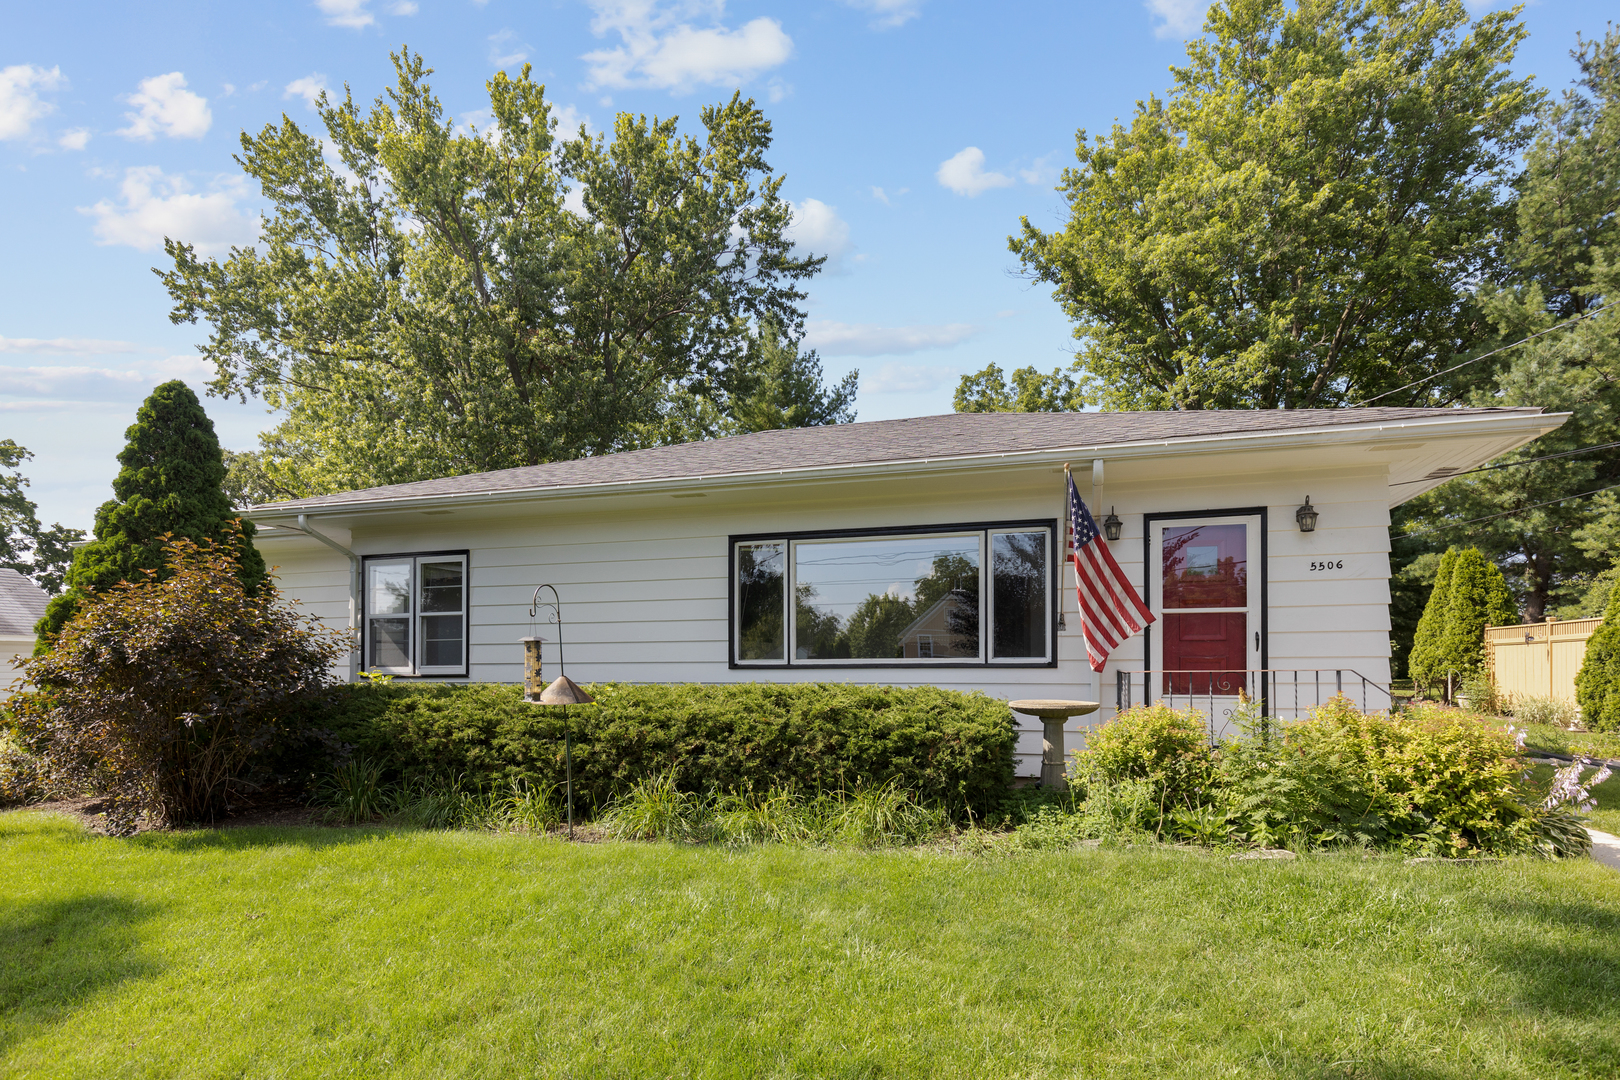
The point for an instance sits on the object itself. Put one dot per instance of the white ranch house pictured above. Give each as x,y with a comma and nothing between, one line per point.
905,552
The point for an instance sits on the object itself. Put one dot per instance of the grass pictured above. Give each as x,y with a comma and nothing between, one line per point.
402,953
1592,743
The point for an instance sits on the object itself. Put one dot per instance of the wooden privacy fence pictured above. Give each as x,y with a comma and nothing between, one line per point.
1538,659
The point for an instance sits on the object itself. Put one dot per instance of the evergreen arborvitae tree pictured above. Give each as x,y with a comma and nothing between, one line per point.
172,481
1479,598
1423,662
1597,686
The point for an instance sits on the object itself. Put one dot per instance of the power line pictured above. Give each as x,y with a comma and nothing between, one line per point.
1515,464
1505,513
1486,356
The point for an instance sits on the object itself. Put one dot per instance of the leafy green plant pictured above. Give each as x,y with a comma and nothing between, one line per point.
887,816
1167,748
1207,824
1545,711
354,792
655,808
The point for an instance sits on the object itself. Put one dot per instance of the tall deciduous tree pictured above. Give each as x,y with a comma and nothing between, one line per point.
428,300
170,484
26,545
1302,221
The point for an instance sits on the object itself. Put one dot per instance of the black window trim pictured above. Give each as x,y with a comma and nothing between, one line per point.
466,659
1054,584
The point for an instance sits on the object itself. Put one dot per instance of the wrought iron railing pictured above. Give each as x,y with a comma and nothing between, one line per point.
1283,693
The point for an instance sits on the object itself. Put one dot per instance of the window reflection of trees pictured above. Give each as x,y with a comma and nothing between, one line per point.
1018,573
878,627
1225,584
759,602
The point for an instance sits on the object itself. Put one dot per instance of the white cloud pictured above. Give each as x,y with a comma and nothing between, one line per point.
350,13
504,51
568,120
661,49
881,196
868,339
964,174
20,105
1182,18
53,388
574,201
62,346
155,206
310,88
165,107
74,139
896,378
817,229
887,13
403,7
1040,171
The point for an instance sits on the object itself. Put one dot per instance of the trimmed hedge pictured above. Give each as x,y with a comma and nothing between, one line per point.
948,747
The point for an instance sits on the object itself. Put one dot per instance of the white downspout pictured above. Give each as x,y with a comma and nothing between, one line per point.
303,526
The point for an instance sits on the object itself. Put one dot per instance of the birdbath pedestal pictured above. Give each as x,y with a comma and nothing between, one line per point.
1053,714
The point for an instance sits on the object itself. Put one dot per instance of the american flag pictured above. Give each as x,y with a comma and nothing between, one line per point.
1110,610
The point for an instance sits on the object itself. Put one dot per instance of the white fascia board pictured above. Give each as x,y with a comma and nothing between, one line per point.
1523,427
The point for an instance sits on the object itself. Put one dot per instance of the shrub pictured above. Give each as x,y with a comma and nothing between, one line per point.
1432,779
22,773
951,749
1548,711
158,693
1597,684
1423,662
1469,594
1167,748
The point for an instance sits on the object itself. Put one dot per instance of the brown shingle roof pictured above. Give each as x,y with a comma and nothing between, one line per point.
874,442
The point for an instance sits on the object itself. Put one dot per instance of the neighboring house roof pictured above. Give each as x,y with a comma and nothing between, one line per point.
925,438
22,604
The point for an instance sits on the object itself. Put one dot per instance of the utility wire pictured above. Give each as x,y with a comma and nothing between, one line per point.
1505,513
1486,356
1513,464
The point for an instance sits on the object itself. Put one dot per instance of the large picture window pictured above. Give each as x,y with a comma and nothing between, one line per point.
971,594
416,614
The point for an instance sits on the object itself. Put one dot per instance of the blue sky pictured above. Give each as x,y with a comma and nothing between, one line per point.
913,133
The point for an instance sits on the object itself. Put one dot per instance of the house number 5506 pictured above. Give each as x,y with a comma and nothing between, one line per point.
1331,565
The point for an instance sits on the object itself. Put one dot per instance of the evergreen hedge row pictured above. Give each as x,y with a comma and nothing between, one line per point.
1597,685
949,747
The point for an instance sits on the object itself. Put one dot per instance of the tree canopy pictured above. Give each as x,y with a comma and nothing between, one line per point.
1300,223
429,299
170,485
1565,258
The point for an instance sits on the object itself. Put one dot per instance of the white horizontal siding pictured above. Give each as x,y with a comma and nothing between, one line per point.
645,590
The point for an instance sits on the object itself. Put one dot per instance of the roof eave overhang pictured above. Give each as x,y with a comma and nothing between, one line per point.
1524,427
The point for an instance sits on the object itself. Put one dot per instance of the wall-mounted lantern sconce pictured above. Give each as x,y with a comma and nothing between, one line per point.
1306,516
562,691
1112,525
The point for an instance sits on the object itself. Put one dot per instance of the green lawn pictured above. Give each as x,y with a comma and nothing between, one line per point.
373,952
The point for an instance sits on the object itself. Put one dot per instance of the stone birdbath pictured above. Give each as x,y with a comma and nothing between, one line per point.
1053,713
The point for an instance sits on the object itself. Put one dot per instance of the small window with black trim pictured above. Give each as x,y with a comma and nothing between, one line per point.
916,597
416,614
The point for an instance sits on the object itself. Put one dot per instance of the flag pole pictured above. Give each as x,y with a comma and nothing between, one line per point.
1064,553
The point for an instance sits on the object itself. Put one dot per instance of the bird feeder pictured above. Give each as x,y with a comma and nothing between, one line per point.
562,691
